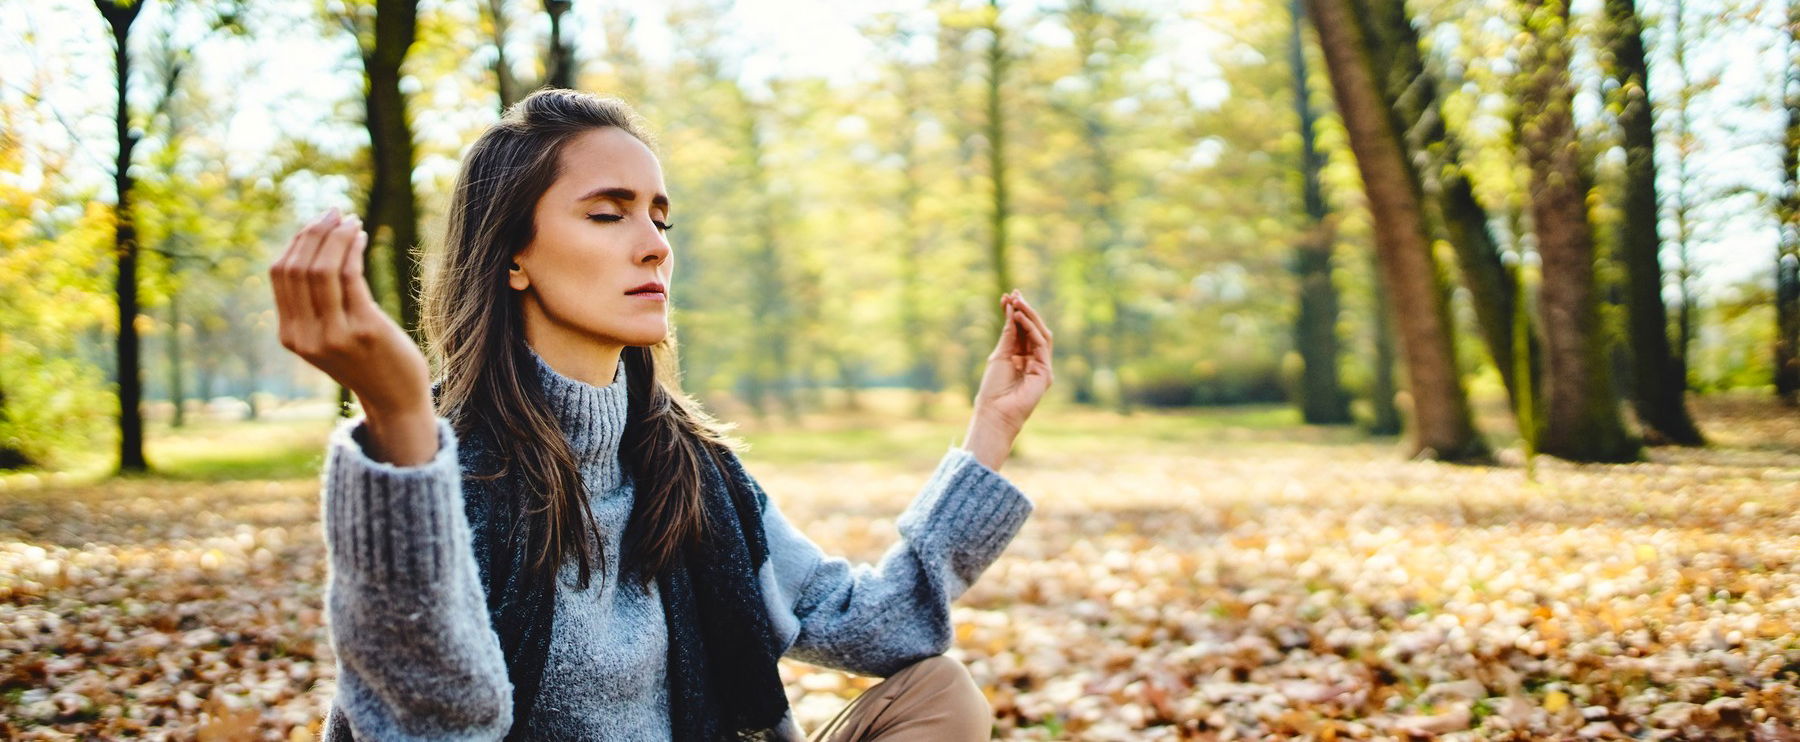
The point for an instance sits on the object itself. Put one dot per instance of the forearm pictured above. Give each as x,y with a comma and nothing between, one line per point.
407,612
876,619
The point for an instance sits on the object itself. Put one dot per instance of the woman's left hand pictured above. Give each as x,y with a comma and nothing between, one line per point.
1018,373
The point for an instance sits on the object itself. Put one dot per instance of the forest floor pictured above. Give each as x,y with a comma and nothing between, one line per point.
1222,574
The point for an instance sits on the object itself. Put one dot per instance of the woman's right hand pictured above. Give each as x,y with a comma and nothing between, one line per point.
328,318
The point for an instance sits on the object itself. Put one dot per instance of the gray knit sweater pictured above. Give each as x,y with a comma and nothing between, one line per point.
418,657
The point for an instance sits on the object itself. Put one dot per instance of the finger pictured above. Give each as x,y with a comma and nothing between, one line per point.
306,246
278,280
1040,340
1038,319
1008,333
356,290
325,275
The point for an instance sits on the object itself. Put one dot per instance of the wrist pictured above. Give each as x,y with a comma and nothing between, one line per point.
990,442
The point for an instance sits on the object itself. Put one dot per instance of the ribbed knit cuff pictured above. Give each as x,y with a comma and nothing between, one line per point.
966,514
392,526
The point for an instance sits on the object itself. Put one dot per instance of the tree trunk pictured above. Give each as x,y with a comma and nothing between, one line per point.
176,383
1659,394
559,57
120,15
1581,419
1787,258
504,83
11,457
1411,91
1442,424
921,369
772,369
1386,420
996,140
392,204
1322,398
1683,210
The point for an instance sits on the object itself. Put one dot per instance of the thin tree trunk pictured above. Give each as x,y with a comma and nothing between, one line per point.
996,140
1659,394
504,83
559,58
1683,209
120,15
1787,257
774,307
921,371
1411,90
11,457
1386,420
1322,398
176,382
1442,424
1582,413
392,203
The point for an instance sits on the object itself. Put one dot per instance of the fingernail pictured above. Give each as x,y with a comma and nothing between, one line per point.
332,214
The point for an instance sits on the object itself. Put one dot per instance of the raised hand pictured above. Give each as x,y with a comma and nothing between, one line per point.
1017,376
328,318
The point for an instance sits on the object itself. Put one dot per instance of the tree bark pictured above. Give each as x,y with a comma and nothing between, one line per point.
1411,91
1659,394
996,141
392,204
1442,424
1386,417
120,15
11,457
1322,398
1787,257
559,57
505,84
1581,420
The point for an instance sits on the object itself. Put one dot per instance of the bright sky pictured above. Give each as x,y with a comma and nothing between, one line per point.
296,78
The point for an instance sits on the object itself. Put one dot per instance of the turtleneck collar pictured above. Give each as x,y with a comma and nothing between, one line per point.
593,419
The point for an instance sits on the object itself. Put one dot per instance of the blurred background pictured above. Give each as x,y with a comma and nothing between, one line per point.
1292,252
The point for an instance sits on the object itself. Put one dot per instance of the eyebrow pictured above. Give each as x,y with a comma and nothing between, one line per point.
622,194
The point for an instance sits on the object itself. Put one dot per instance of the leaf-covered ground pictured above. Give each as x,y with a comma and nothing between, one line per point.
1215,576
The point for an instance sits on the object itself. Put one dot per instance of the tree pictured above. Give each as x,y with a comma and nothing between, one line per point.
559,57
1411,90
505,83
1581,420
1787,209
1322,398
119,15
997,62
1659,391
1443,426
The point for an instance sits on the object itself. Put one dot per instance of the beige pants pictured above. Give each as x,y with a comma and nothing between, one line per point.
932,700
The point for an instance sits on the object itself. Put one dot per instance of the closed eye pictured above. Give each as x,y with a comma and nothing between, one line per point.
609,218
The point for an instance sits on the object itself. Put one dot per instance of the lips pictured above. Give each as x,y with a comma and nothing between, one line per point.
652,287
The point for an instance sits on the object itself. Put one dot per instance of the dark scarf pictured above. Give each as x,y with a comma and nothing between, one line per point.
723,679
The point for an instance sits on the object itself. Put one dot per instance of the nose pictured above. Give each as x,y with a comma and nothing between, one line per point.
655,249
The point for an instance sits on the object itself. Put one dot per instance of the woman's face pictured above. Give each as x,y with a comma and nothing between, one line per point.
599,234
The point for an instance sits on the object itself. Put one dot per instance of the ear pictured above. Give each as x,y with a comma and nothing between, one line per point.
515,276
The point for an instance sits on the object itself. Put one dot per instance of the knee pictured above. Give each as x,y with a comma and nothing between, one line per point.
957,693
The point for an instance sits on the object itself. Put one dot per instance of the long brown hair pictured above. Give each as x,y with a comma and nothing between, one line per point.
474,327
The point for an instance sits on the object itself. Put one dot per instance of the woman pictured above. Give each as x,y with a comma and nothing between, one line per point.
554,542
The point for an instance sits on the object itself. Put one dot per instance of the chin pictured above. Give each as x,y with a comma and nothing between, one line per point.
645,339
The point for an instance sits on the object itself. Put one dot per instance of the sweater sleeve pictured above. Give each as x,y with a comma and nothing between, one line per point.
417,654
877,619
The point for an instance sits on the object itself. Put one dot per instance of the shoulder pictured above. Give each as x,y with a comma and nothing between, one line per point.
734,471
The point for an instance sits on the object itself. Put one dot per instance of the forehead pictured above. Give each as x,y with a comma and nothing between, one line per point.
608,156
